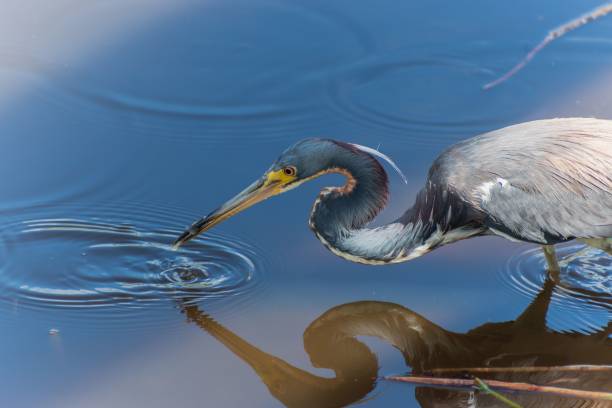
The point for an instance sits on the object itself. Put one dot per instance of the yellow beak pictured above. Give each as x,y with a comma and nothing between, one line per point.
266,187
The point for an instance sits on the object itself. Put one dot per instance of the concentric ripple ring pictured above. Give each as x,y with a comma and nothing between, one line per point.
118,265
584,279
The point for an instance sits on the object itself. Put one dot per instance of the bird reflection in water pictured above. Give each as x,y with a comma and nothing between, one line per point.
331,342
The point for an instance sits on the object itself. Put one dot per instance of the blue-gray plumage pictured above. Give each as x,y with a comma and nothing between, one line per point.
544,182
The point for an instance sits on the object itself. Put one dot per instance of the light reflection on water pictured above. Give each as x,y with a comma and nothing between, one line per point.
132,104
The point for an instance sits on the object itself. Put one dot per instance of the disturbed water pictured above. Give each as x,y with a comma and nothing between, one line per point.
106,263
122,122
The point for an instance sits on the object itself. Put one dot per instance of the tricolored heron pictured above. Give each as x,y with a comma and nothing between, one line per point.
545,182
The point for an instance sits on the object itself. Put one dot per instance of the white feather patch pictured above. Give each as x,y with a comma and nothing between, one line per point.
386,158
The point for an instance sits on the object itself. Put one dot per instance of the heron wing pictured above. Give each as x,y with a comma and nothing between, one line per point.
545,216
544,181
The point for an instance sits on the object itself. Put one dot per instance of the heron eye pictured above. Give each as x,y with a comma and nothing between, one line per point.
290,171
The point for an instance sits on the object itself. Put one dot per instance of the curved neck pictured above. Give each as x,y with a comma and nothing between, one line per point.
340,214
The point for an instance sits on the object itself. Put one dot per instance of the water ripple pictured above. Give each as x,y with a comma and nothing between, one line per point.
428,97
405,91
121,269
585,286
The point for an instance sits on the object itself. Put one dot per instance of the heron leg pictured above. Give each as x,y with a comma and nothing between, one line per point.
551,260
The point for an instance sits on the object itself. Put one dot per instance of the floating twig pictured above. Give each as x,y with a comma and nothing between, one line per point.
552,35
484,387
504,385
568,368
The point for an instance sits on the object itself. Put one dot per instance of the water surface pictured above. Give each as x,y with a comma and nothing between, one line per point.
124,121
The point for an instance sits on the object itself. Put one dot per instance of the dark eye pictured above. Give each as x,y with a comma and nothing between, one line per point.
290,171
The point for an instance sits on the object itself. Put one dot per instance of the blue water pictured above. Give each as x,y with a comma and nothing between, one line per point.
124,121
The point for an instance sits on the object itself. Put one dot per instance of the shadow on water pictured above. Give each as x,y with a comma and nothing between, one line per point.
331,342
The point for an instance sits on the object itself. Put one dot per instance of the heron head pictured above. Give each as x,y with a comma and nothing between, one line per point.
305,160
301,162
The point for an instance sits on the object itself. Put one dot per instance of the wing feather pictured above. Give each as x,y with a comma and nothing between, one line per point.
544,181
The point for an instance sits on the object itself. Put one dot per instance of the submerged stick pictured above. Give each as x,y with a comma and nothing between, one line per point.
552,35
568,368
504,385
